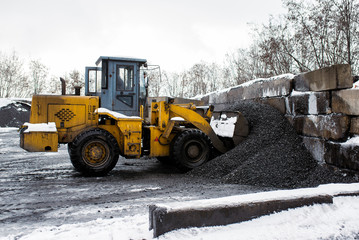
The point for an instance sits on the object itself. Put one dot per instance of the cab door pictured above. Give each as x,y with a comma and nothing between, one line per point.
92,81
125,89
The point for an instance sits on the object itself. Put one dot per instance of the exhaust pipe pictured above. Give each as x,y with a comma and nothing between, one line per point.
77,90
63,86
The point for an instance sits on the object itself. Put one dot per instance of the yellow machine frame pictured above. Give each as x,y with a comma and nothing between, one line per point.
73,115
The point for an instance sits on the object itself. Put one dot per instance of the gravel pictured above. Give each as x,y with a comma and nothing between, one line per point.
273,155
14,114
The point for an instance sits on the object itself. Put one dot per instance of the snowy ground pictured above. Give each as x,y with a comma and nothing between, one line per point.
42,197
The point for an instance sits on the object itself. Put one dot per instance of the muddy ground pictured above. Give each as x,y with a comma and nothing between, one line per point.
43,189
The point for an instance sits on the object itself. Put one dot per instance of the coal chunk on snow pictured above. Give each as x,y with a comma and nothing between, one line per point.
273,155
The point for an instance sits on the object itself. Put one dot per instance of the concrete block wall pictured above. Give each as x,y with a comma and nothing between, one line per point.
321,105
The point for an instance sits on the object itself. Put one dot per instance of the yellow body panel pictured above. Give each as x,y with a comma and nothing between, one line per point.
66,115
159,146
130,137
39,141
127,131
71,114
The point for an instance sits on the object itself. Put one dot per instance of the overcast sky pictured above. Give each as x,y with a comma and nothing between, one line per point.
72,34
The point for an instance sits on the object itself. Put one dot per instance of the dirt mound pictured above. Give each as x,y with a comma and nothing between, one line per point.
14,114
273,155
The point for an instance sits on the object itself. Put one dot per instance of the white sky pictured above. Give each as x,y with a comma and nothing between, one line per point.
70,34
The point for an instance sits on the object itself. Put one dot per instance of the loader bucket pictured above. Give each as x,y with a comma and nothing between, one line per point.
230,127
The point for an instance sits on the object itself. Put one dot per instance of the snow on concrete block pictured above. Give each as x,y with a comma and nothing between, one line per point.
281,86
332,126
316,147
354,125
305,103
205,99
346,101
343,155
218,97
206,213
236,93
328,78
262,88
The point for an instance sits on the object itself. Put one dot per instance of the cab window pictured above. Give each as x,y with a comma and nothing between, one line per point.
124,78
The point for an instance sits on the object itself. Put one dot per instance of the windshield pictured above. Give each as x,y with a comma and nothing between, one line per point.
150,77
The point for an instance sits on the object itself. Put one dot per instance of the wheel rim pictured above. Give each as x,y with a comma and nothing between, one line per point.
95,153
195,151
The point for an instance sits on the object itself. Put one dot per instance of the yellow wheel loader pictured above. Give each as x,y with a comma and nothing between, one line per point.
116,117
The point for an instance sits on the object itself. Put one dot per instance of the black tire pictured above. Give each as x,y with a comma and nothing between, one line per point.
190,149
94,153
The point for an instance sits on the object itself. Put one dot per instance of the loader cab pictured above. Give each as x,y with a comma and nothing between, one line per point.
119,84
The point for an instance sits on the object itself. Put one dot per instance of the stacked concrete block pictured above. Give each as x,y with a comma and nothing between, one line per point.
276,102
305,103
329,78
322,111
269,91
321,105
317,147
354,126
340,154
218,97
346,101
328,127
262,88
344,155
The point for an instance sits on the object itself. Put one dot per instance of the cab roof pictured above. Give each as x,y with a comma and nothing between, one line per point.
123,59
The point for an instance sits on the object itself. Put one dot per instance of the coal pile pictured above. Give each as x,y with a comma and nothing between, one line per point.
273,155
14,114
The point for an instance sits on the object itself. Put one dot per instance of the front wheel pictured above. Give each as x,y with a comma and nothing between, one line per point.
191,149
94,153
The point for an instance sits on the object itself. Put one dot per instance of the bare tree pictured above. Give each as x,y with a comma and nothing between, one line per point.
12,79
310,36
39,74
74,79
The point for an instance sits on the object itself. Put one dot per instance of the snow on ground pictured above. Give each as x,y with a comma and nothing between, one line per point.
321,221
326,189
325,221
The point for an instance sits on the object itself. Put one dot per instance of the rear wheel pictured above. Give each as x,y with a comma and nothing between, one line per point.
94,153
191,149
